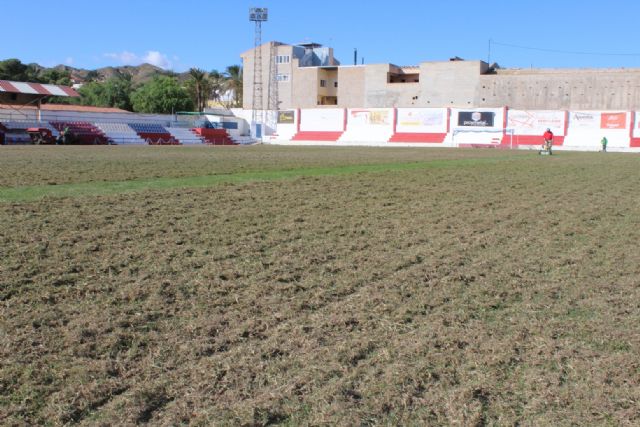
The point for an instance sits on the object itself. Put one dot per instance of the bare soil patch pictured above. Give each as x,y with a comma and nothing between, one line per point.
489,294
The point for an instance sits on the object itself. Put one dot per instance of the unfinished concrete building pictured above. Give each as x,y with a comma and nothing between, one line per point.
308,76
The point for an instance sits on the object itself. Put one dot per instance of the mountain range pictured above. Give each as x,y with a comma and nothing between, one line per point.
140,74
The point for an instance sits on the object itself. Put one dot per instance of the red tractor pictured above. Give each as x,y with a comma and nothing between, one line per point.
40,136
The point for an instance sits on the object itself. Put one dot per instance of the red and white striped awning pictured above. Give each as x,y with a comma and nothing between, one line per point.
36,89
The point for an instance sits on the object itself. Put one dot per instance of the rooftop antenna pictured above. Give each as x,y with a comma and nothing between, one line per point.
257,15
489,54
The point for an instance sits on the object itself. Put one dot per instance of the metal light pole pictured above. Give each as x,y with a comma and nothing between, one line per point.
257,15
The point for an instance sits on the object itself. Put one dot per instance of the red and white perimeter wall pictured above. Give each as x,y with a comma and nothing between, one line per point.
453,127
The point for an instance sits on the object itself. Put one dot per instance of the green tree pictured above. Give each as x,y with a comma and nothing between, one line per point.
218,83
234,83
56,77
199,87
32,72
92,76
93,93
117,91
13,69
163,95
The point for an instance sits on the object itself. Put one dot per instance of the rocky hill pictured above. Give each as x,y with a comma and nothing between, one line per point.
139,74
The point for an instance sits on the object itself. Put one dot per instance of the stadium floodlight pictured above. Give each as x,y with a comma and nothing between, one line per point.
258,14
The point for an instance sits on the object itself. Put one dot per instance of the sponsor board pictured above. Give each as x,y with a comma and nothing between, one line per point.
330,119
476,118
286,117
584,120
420,118
596,120
370,117
613,121
535,122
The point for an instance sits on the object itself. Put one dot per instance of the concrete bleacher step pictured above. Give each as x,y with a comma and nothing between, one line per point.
214,136
185,136
120,133
244,140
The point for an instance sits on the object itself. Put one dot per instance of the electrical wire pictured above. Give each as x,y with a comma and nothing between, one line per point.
566,52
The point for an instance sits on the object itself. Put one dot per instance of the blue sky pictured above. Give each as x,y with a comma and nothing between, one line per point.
211,34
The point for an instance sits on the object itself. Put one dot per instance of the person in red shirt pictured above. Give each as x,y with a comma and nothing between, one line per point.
548,141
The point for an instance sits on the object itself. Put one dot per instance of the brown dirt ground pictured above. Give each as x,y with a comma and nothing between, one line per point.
28,165
482,295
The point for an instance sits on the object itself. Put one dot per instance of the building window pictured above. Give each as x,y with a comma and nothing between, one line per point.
282,77
323,83
335,84
283,59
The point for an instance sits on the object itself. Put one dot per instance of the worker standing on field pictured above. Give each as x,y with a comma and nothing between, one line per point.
548,141
604,143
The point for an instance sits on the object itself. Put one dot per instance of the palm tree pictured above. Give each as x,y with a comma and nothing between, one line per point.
234,83
199,87
218,82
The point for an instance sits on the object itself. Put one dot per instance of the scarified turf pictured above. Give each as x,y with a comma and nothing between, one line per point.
22,194
489,293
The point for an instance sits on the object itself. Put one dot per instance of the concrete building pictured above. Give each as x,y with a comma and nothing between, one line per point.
306,75
309,76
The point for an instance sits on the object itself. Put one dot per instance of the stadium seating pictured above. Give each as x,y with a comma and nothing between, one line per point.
185,136
16,138
84,132
154,133
120,133
215,136
148,128
26,124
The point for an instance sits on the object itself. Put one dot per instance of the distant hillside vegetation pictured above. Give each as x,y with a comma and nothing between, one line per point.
142,88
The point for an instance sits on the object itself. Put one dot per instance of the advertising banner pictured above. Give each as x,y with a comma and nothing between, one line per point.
286,117
613,121
476,118
422,120
370,117
322,119
535,122
584,120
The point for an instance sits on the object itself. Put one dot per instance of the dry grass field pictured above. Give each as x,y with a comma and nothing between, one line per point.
318,286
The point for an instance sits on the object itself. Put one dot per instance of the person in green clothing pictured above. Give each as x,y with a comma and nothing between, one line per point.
604,143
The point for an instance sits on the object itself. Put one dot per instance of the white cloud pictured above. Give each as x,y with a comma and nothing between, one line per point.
125,58
69,61
158,59
152,57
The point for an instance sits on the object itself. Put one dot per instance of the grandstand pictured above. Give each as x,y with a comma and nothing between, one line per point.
118,133
83,132
22,109
92,125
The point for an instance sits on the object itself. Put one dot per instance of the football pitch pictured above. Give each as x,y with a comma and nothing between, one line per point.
315,285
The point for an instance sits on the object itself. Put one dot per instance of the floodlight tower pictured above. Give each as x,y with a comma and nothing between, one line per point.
257,15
